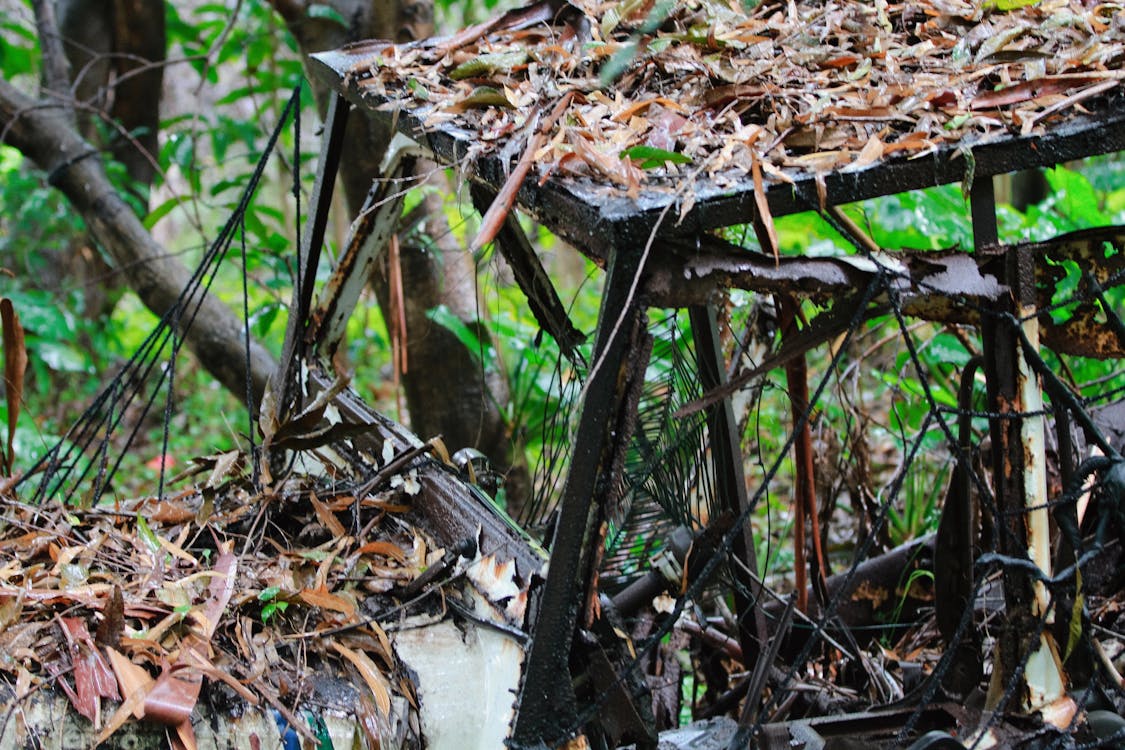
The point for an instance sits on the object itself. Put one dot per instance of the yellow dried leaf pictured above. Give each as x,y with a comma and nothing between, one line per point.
375,680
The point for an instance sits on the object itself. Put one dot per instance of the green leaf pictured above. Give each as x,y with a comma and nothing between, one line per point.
1075,198
616,65
945,347
1007,5
651,157
489,64
462,330
273,608
328,13
62,357
262,320
146,534
163,210
1074,630
269,593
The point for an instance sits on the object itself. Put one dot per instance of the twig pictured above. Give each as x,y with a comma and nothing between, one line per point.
56,69
220,40
493,219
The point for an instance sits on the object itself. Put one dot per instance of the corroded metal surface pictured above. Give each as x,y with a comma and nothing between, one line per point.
579,210
547,707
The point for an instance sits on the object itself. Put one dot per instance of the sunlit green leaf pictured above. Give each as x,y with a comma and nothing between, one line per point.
651,157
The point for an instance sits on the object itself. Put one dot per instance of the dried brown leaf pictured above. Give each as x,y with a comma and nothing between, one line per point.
1028,90
325,599
173,697
386,549
133,680
872,152
376,682
764,215
326,517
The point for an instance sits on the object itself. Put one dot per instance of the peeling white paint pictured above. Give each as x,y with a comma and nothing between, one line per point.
467,678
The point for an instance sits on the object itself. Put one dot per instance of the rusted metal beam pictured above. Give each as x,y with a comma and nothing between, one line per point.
1000,352
590,216
942,286
542,298
1019,468
547,710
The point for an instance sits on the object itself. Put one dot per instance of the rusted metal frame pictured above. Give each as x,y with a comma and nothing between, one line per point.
546,710
286,392
730,482
542,298
1000,354
933,284
586,214
1018,465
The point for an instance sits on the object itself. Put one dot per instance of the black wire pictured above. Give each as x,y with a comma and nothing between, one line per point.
110,405
255,469
171,397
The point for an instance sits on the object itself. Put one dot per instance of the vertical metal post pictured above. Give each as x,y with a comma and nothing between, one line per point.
546,710
283,383
1018,465
730,481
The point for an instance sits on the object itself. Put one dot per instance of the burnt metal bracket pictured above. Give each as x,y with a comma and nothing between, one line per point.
1001,355
547,711
542,298
283,385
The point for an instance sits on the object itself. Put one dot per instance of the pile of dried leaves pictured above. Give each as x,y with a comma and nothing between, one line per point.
632,91
142,601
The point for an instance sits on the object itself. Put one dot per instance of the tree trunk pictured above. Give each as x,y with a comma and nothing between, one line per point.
44,134
115,52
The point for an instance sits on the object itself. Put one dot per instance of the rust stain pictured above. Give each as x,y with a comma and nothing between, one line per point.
1006,406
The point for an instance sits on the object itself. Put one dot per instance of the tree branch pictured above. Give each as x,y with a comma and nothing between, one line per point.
56,69
44,135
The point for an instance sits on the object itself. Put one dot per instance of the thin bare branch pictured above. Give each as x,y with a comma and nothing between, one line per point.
56,69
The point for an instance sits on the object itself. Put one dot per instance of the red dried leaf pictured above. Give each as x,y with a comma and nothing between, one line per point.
1027,90
15,363
173,697
93,679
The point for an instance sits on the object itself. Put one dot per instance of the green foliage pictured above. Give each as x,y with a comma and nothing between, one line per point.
204,160
507,339
271,604
883,384
456,14
18,48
